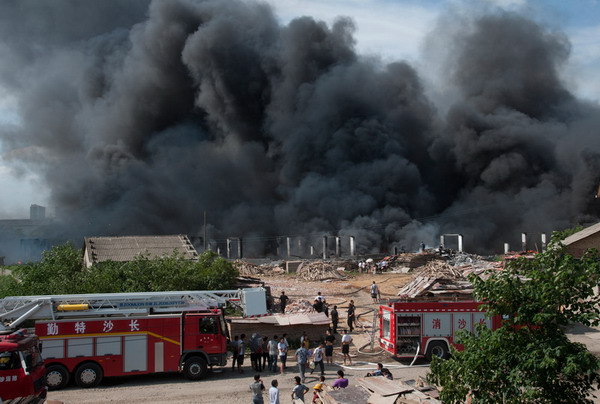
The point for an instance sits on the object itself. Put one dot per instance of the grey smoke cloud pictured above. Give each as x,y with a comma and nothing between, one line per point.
144,115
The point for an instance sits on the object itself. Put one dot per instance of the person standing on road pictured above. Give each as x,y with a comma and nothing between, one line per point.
283,299
375,295
346,341
335,318
329,343
351,315
318,306
274,392
257,389
304,340
234,351
273,353
255,351
302,359
318,358
318,389
299,390
241,350
265,353
282,347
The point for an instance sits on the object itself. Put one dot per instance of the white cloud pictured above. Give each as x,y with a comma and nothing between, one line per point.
394,30
584,64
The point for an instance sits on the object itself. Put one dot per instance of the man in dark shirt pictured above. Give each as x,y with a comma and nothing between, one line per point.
351,316
283,299
329,343
335,318
318,305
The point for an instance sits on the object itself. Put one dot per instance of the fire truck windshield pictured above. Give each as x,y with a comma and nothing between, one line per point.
208,325
9,361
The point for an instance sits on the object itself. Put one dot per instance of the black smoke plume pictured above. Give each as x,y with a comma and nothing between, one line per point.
141,116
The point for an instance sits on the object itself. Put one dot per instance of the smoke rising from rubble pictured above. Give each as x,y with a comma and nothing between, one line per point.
140,116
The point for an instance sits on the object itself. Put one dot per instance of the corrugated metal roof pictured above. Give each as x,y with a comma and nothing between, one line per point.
123,249
580,235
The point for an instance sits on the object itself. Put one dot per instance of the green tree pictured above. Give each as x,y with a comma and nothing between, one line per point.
61,271
529,359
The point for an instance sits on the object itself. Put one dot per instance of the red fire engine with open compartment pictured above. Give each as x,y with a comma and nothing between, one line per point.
88,337
425,329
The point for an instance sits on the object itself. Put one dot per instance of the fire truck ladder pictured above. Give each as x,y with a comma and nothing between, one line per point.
14,310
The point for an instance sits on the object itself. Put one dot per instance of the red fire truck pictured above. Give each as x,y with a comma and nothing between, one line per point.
88,337
417,329
21,366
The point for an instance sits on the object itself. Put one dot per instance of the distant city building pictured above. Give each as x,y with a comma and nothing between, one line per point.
37,212
23,240
127,248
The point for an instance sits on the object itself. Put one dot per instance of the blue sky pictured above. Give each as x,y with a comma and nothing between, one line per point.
392,29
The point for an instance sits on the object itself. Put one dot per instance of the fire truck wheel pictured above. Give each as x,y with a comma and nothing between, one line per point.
437,348
88,375
57,377
195,368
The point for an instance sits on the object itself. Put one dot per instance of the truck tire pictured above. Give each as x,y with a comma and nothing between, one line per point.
57,377
88,375
195,368
437,348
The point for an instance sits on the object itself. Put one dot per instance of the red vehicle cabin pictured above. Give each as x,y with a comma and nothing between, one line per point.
426,329
87,349
21,366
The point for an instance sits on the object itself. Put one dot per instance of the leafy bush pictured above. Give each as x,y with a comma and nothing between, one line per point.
61,271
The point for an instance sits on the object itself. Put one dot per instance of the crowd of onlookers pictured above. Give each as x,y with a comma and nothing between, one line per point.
298,391
272,354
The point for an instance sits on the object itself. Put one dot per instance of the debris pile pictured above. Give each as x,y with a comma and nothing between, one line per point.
404,262
318,271
298,306
247,268
439,279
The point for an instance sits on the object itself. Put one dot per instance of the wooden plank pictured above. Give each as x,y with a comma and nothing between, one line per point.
379,399
349,395
299,319
383,386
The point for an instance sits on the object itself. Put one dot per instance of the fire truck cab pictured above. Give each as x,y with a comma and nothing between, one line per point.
21,366
425,329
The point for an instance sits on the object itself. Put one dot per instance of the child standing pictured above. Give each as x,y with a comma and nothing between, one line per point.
318,388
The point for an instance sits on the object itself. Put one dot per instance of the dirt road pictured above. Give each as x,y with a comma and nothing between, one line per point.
219,387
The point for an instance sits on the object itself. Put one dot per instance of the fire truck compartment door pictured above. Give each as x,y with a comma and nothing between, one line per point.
136,353
78,347
437,324
53,348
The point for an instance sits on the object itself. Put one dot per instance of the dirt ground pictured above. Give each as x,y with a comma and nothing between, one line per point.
224,386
